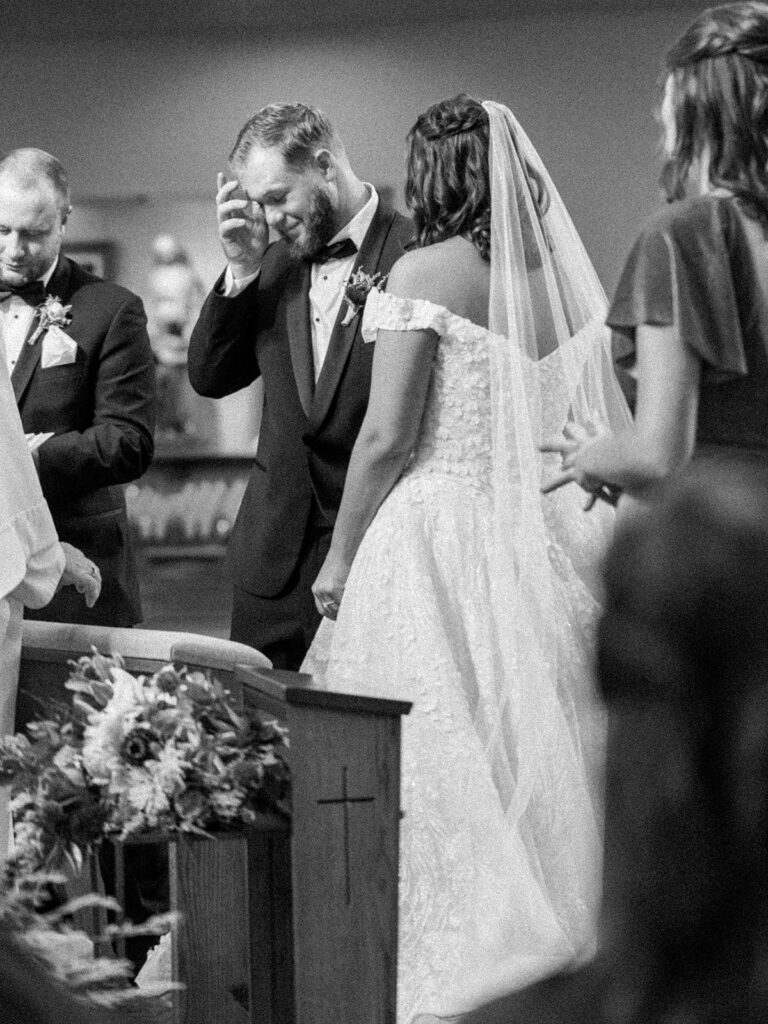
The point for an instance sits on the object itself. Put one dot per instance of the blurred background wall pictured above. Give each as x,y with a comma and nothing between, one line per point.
142,101
145,121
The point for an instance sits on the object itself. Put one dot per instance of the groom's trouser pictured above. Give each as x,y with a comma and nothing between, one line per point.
282,627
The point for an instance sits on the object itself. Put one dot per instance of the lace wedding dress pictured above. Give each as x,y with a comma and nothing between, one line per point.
500,838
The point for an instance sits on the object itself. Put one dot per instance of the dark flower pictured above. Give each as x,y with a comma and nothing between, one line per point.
167,679
136,748
198,689
356,292
192,805
248,773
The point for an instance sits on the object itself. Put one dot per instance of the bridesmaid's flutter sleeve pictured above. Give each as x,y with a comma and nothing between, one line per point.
679,272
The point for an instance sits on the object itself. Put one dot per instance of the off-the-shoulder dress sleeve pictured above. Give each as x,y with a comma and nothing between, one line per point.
387,312
680,272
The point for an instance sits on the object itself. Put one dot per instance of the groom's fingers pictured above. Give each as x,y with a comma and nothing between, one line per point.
232,205
234,214
328,609
225,188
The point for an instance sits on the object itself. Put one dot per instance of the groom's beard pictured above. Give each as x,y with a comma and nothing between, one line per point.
319,227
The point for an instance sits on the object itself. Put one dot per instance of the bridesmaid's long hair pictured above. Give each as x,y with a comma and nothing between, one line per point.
719,70
447,185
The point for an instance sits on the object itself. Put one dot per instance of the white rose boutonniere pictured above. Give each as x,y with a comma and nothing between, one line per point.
356,292
50,313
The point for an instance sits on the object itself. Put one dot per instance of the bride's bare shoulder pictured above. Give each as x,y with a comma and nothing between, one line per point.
450,273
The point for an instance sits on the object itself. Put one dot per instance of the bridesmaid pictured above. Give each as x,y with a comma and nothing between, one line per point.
690,315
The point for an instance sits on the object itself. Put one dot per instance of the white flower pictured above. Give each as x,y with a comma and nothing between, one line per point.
108,728
50,313
227,802
144,793
168,770
68,762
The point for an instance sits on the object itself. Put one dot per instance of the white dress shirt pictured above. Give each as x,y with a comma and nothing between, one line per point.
328,280
16,318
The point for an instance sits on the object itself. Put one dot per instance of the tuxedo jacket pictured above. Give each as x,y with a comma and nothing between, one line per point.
307,429
101,408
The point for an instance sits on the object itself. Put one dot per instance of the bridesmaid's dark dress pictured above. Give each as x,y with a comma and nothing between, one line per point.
702,263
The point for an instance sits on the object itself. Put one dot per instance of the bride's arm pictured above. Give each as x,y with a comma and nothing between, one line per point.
402,368
663,432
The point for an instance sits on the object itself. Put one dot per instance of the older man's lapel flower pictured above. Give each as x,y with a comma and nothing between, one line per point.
50,313
356,292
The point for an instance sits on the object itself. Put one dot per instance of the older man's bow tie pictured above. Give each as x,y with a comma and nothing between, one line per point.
33,292
335,251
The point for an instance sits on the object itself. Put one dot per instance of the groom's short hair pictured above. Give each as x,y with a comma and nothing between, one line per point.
295,129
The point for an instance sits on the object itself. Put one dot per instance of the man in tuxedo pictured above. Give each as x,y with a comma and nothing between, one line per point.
277,313
81,366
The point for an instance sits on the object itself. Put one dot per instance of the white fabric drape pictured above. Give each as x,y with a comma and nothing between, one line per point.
31,559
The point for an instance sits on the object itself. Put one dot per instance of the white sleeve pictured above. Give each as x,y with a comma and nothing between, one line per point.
388,312
234,285
44,569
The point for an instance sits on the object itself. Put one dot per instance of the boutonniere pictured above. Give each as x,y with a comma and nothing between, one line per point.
51,313
356,292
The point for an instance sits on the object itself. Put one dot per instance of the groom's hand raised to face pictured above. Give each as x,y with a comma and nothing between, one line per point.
243,228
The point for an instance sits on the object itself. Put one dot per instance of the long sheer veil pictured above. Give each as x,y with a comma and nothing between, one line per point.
550,363
537,716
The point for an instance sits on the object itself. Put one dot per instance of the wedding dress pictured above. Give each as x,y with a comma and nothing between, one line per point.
490,893
474,598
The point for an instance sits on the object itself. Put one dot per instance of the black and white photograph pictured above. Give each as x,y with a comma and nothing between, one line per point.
384,512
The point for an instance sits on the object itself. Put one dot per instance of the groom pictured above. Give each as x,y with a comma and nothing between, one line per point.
277,313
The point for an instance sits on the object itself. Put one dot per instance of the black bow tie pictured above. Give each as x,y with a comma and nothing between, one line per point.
335,251
33,292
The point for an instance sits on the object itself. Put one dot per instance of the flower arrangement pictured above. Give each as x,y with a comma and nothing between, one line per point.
356,292
134,755
50,313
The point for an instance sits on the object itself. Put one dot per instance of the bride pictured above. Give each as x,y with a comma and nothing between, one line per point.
452,584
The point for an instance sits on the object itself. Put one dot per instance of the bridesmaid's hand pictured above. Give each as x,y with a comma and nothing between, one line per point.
328,588
571,448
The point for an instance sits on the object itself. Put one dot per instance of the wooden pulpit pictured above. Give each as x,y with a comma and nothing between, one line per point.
295,923
342,853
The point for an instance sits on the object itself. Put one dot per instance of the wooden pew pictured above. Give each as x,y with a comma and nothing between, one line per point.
293,924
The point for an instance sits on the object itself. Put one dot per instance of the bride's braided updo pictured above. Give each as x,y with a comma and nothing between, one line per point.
719,94
447,186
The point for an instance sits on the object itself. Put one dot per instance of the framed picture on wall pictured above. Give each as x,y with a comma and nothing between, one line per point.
95,257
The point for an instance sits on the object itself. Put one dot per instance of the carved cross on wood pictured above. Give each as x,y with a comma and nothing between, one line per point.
345,800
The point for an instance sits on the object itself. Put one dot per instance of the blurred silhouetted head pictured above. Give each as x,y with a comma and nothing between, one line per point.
683,667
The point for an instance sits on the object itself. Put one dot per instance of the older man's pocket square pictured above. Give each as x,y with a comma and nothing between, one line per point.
58,348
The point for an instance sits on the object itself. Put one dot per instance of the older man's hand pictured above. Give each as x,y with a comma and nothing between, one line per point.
81,573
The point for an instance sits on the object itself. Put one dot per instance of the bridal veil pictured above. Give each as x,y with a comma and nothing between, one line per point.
551,363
